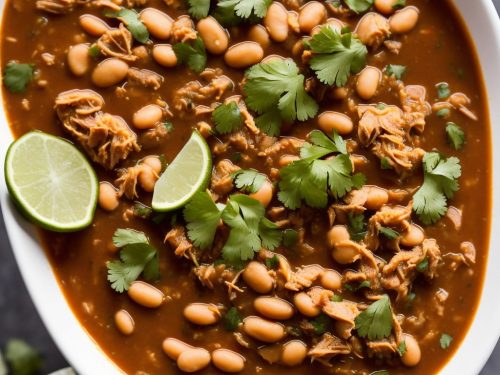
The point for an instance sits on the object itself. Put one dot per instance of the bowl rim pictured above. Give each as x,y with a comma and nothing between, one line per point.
85,355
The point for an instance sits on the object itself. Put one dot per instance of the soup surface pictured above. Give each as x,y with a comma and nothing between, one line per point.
371,256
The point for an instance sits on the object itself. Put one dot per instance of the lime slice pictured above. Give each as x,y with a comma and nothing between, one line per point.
51,182
187,174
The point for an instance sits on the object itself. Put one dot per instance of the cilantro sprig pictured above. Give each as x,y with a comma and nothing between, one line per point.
275,90
312,179
137,257
227,118
396,71
249,231
199,8
16,76
336,55
440,183
456,135
246,8
249,180
359,6
375,322
193,54
132,21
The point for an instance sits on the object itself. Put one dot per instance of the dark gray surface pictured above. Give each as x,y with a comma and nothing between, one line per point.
18,317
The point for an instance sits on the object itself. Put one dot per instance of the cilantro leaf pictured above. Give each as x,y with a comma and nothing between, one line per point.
456,135
17,76
321,324
375,322
388,233
402,348
443,113
136,256
443,90
202,216
227,118
290,237
445,341
312,180
245,8
356,226
226,16
94,51
399,4
423,265
272,263
249,180
275,90
232,319
336,298
336,56
440,184
396,71
250,230
199,8
22,358
193,54
359,6
385,163
132,21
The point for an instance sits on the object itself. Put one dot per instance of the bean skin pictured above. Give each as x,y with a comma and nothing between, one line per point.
228,361
386,7
263,330
404,20
412,355
273,308
147,178
311,15
368,82
108,197
276,22
257,278
153,162
109,72
265,194
202,314
336,234
158,23
145,294
164,55
376,197
345,253
147,117
294,353
413,236
93,25
329,121
259,34
214,36
305,305
192,360
173,347
244,54
331,279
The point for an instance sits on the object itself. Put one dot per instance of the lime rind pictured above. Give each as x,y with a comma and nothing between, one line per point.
188,173
51,182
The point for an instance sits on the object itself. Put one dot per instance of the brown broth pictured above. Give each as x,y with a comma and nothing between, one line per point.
444,53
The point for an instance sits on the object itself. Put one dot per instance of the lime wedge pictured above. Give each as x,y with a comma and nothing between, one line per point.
188,173
51,182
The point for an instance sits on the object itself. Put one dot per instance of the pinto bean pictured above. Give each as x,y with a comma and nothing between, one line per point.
331,279
259,34
124,322
158,23
273,308
294,353
305,305
228,361
147,179
145,294
368,82
203,314
376,197
108,197
345,253
147,117
244,54
386,7
192,360
263,330
334,23
337,233
93,25
164,55
154,162
329,121
412,355
311,15
173,347
257,278
265,194
404,20
368,25
109,72
413,236
78,59
213,35
276,22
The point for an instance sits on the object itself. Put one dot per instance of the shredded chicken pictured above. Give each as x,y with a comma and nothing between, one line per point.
183,30
303,277
117,43
373,29
329,347
222,180
177,239
127,180
391,216
145,78
58,6
107,139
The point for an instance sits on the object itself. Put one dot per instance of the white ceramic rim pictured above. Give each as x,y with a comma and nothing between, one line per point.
86,357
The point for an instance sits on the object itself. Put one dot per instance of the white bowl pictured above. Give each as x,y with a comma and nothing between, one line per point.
86,357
